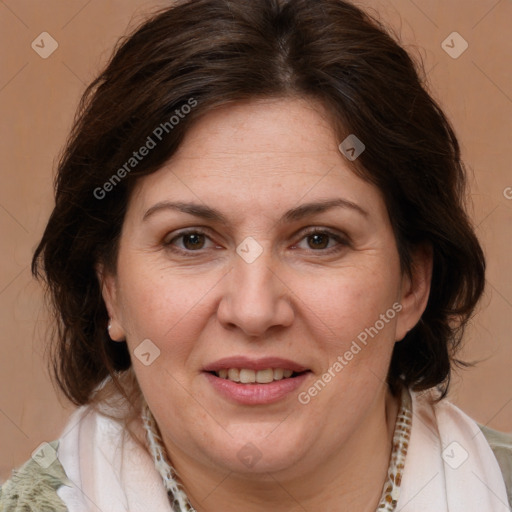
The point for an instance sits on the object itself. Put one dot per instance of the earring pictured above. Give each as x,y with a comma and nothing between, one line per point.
109,326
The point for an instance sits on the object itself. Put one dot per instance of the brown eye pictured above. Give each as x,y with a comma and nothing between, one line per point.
187,242
193,241
319,240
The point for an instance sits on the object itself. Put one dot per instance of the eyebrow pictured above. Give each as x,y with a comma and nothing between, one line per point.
293,215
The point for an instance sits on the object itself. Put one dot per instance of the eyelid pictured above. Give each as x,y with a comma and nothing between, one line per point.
342,239
335,233
187,231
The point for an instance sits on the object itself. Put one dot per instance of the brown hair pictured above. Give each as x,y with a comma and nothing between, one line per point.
214,52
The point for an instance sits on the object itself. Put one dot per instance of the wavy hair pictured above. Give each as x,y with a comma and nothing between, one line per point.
221,51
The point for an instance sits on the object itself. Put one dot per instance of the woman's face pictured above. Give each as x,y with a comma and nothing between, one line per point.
234,279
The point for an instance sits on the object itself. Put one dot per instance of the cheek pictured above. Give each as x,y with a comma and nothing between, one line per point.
344,303
353,323
164,305
168,310
172,306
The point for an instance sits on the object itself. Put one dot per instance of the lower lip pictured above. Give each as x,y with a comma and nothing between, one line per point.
253,394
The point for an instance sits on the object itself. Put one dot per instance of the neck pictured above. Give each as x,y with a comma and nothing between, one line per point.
352,478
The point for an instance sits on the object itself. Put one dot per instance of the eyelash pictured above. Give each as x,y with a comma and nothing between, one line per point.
342,242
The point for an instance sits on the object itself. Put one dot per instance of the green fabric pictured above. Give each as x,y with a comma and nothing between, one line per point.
33,488
501,444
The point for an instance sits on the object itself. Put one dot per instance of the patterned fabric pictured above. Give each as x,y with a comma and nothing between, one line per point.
33,488
177,496
390,492
401,437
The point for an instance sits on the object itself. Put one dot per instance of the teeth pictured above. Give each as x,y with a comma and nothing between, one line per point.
264,376
247,376
234,374
278,373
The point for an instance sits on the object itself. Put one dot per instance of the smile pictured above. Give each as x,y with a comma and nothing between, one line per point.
249,376
253,392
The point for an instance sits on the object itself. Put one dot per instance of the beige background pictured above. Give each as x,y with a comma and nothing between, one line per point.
38,98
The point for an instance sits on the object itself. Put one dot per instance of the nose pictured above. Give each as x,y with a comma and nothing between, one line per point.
255,297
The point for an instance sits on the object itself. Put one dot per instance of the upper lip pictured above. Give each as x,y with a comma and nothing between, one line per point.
254,364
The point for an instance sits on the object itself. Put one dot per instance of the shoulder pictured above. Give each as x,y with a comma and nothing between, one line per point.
501,444
33,487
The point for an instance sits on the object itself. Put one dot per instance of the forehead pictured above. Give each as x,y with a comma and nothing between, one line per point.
265,153
283,125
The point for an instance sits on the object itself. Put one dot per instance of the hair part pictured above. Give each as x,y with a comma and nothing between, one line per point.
219,52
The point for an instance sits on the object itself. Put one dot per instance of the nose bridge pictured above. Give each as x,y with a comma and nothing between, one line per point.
256,298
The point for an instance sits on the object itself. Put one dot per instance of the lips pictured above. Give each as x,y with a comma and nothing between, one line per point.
255,393
251,381
243,362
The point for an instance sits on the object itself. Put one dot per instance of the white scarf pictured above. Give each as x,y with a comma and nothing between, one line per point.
450,466
112,473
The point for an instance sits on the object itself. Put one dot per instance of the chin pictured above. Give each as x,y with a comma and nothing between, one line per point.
258,456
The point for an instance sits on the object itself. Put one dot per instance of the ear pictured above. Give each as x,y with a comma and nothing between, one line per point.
109,292
415,290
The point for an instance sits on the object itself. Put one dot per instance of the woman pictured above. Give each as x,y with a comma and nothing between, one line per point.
261,269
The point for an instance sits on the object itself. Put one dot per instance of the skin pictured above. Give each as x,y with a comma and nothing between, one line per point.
253,161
